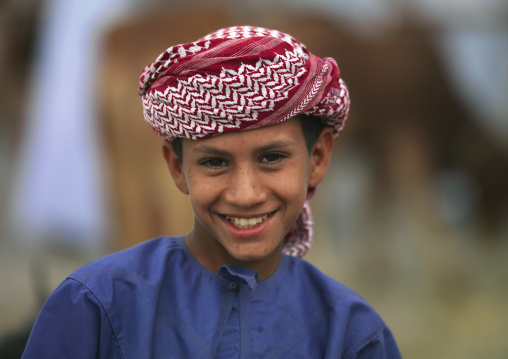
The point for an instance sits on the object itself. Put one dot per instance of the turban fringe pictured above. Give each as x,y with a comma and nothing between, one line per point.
242,78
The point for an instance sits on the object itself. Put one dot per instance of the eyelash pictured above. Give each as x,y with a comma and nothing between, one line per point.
208,163
279,158
264,159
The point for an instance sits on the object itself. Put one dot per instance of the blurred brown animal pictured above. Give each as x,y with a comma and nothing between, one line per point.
404,114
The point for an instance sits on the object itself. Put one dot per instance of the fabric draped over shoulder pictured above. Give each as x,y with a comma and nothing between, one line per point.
242,78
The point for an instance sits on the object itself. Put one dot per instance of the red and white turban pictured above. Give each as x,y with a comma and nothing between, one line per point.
242,78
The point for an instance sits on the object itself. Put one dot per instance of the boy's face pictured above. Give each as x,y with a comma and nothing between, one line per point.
247,188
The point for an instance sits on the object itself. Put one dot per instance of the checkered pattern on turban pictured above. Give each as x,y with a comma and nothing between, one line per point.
242,78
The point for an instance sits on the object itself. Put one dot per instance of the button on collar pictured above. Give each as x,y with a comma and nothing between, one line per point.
238,275
233,286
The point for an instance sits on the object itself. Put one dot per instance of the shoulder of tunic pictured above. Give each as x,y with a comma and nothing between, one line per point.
145,263
314,279
350,315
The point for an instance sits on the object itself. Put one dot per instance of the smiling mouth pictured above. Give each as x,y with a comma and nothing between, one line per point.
246,222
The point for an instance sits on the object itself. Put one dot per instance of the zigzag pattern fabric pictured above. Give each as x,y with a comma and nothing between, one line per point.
242,78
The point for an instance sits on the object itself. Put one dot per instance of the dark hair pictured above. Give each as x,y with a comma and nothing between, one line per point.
177,147
312,126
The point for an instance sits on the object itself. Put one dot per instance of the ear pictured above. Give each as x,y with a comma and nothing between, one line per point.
175,167
320,156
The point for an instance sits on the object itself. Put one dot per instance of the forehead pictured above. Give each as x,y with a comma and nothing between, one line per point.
288,132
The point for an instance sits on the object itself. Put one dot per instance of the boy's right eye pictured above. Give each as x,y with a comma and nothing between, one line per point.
214,163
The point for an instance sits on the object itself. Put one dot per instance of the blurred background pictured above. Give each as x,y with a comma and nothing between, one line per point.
413,213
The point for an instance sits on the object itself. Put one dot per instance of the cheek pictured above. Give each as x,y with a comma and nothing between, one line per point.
293,185
198,193
202,194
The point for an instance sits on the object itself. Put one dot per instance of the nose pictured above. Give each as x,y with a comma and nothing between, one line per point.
245,188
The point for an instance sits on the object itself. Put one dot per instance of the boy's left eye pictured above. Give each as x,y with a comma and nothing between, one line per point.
272,158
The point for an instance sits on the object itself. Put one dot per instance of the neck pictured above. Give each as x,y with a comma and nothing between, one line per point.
212,258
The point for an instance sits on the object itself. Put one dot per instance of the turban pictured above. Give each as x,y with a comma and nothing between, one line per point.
242,78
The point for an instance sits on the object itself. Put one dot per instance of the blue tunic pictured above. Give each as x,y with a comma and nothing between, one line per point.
156,301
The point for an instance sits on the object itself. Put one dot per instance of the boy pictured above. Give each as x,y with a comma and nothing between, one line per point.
249,119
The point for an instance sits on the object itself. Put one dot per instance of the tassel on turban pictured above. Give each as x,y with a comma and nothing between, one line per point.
242,78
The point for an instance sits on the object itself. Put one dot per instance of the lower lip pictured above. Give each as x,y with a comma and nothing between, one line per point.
247,232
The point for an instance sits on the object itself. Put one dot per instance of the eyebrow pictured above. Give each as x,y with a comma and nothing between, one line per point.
277,145
206,150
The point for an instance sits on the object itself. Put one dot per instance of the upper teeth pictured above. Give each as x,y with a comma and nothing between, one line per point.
246,222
